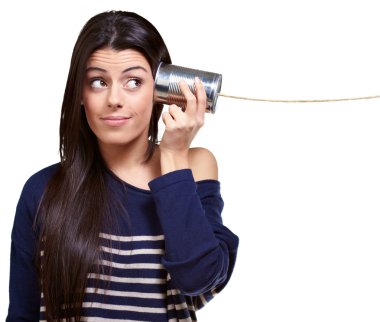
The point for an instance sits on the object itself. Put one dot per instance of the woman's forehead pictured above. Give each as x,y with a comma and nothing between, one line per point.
117,58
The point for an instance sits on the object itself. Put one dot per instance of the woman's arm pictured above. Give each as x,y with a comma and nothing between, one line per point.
200,251
24,292
24,289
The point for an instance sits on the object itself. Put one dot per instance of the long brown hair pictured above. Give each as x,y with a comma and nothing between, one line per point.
76,200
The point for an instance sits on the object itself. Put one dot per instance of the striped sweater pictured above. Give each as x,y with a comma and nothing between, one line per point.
165,260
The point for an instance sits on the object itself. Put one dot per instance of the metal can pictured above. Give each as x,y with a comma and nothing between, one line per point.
167,89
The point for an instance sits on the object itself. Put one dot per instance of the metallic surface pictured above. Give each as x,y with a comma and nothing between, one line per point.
167,90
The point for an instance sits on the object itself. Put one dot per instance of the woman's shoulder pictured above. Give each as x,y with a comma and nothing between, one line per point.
203,164
39,179
31,194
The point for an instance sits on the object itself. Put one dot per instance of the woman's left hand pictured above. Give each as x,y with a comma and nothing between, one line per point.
181,126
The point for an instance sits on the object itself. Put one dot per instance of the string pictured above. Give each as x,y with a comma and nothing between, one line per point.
301,100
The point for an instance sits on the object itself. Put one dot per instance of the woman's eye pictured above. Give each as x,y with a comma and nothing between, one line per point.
98,83
133,83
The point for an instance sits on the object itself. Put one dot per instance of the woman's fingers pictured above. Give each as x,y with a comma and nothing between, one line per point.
191,100
201,95
167,119
193,114
174,117
196,103
181,126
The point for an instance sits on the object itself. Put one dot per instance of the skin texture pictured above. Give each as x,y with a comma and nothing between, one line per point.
118,101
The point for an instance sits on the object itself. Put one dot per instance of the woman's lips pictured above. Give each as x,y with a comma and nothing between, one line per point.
115,120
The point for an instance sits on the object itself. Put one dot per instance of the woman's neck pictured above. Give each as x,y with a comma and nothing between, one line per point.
128,162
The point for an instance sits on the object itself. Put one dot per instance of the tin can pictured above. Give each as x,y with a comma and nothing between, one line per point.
167,89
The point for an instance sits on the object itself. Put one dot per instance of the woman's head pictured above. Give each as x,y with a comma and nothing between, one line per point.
117,97
119,31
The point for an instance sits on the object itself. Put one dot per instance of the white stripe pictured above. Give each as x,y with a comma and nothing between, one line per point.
126,294
143,251
203,299
181,306
191,308
97,319
173,291
125,307
123,294
127,279
91,319
115,307
132,266
131,238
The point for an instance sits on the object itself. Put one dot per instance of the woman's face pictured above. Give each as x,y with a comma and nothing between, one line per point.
118,96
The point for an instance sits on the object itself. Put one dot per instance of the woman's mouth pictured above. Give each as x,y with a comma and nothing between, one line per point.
115,120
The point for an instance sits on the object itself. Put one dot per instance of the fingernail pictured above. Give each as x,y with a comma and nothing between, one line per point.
197,80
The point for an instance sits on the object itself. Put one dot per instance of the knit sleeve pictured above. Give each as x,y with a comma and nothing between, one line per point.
24,293
200,252
24,290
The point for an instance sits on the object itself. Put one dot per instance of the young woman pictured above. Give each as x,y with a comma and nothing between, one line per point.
122,228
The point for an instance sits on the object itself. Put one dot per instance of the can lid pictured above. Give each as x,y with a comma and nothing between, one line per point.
215,94
161,83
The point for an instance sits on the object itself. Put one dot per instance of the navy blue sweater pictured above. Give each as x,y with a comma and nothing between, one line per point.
170,256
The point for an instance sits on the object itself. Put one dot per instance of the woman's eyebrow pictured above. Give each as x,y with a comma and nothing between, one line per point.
133,68
89,69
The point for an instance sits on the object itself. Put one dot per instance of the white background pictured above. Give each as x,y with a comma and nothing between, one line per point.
301,182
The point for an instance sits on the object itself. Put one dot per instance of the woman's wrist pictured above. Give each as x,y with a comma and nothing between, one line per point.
174,160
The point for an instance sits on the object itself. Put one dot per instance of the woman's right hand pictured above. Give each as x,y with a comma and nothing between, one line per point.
181,126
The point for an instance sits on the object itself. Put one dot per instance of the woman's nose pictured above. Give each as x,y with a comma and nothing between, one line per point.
115,97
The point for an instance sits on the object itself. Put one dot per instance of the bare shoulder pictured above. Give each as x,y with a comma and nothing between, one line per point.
203,164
